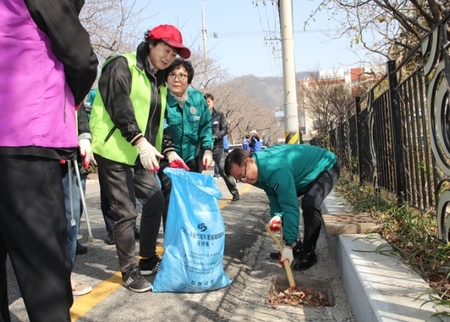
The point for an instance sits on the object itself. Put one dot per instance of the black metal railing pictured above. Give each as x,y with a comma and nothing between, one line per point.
398,137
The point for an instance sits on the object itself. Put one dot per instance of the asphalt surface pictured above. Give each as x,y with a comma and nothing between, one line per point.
246,262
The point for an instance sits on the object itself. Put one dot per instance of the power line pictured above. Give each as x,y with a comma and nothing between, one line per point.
241,34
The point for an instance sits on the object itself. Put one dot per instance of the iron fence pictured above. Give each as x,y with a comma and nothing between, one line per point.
398,137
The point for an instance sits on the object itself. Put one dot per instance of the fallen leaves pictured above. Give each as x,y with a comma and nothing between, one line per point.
306,297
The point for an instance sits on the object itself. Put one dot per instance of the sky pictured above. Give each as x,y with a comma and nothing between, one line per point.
240,35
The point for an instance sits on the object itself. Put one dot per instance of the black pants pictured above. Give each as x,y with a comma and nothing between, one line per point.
218,155
312,202
108,215
33,233
219,159
123,184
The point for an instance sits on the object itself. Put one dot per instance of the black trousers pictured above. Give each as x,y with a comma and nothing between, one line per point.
123,184
219,159
108,215
33,234
312,202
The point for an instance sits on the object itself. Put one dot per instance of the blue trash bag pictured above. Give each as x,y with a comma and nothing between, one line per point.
194,238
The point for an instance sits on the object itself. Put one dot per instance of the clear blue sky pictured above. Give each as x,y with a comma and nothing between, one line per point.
241,27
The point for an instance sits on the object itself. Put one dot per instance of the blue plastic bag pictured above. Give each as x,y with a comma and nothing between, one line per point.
194,238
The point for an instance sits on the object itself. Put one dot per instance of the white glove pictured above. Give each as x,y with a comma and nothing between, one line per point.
287,254
85,151
173,156
207,159
92,160
148,154
176,162
275,223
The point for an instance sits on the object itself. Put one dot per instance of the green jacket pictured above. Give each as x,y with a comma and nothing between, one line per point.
285,173
190,126
107,139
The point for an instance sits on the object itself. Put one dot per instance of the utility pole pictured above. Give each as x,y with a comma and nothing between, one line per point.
289,83
205,48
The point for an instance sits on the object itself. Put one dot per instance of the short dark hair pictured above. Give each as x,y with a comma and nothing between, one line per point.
208,95
180,62
237,156
148,42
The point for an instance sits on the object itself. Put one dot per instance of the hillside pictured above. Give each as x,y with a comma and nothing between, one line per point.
268,90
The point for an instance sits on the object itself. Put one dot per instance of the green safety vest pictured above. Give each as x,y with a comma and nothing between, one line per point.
107,140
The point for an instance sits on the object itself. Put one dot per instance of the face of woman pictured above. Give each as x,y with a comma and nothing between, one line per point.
162,55
177,81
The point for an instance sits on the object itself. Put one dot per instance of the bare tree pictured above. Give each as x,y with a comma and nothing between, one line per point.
244,112
390,28
112,25
325,101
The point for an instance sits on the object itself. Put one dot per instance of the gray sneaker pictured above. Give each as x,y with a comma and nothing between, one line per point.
135,281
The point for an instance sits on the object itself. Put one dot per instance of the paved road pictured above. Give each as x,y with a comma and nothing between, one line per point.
246,262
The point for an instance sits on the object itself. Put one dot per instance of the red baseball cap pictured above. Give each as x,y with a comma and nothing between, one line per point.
172,36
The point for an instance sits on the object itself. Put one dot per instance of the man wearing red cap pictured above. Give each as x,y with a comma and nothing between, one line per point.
127,124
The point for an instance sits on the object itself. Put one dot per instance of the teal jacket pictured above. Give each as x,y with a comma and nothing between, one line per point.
285,173
190,126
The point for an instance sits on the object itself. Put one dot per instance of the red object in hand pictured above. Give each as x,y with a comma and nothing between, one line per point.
85,162
205,165
275,223
178,164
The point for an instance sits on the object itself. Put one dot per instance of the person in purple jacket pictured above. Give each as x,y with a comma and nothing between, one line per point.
47,67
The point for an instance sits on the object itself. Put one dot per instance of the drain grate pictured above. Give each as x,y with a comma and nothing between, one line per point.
308,293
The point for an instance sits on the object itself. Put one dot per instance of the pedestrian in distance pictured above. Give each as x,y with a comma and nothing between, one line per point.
255,142
47,68
226,150
127,123
246,143
188,126
286,173
219,130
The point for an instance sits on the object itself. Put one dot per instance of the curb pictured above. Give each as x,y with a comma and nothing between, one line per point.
378,286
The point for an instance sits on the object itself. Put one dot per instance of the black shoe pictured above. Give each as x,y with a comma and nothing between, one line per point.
137,234
81,249
135,281
235,197
306,260
110,240
149,266
276,255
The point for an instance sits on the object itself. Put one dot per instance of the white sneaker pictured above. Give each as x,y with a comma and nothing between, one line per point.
79,288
